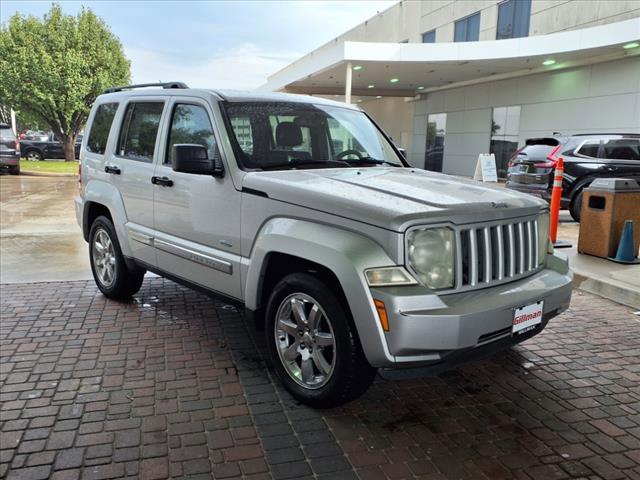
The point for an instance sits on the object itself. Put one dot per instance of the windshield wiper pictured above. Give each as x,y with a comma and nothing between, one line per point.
300,162
375,161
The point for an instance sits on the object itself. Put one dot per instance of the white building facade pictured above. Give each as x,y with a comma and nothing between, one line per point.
451,79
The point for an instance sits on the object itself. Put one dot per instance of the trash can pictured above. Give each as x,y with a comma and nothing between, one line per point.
606,204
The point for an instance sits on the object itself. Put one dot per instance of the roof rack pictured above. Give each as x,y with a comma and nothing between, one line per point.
143,85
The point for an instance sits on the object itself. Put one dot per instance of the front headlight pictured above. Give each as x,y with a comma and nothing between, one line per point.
430,253
543,237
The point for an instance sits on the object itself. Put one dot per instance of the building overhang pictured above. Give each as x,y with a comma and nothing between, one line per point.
423,67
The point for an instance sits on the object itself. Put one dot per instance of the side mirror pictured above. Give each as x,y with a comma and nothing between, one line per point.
403,152
193,158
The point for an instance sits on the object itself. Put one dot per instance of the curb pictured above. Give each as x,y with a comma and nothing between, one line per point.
31,173
608,289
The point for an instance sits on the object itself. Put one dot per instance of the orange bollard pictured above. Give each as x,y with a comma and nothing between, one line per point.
556,195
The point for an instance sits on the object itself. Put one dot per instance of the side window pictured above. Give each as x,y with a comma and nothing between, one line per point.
622,149
139,130
589,149
99,133
191,124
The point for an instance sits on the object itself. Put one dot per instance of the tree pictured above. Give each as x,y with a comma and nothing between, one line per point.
54,68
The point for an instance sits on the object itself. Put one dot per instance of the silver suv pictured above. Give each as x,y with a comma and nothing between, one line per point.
302,211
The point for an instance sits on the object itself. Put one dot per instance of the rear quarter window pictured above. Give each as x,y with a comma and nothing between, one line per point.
621,149
99,133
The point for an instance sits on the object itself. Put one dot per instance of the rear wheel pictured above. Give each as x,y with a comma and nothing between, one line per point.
14,170
312,344
576,206
110,272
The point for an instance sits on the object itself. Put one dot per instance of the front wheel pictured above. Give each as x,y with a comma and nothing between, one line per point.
312,344
110,272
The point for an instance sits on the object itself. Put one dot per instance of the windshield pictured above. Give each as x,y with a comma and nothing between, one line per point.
280,136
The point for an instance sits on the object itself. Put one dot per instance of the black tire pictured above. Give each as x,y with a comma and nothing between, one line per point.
351,375
576,206
125,281
14,170
34,155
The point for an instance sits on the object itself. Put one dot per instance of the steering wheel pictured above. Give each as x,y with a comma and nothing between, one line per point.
349,152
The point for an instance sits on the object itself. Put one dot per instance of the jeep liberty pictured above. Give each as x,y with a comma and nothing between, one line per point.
303,212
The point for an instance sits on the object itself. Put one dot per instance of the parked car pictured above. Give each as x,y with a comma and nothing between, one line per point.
36,136
349,259
46,147
9,150
586,157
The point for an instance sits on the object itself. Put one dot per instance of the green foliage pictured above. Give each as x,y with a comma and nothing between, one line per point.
54,68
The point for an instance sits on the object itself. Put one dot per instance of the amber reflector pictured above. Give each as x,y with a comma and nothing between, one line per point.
382,314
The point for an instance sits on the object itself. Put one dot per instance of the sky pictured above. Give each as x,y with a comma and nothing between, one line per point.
215,44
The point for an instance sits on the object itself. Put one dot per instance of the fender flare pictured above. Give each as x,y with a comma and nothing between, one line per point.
347,254
109,196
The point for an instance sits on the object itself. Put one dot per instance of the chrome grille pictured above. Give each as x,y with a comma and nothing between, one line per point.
491,254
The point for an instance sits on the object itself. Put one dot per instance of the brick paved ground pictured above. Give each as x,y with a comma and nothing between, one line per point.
173,385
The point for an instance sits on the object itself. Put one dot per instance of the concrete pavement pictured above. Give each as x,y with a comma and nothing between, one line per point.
39,237
603,277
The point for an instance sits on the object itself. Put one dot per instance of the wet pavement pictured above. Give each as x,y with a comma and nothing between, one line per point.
174,385
39,237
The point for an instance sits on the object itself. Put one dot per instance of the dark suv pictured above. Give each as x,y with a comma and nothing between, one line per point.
586,157
9,150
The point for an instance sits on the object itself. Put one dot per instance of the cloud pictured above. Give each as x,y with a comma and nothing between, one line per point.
243,67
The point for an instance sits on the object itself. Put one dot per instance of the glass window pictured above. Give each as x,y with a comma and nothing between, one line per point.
429,37
241,126
505,129
513,19
467,29
6,133
99,133
295,135
621,149
191,124
436,132
589,148
137,140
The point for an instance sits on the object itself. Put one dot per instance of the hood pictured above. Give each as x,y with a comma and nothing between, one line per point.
393,198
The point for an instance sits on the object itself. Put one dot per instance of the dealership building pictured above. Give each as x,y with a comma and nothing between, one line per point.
451,79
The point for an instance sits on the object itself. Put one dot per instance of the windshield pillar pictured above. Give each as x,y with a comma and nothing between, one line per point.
347,84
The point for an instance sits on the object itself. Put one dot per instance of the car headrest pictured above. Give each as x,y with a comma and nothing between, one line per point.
288,134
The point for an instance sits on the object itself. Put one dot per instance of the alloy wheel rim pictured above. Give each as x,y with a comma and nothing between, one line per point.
104,259
305,341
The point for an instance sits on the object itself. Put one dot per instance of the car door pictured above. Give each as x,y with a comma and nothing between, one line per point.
54,148
131,167
197,217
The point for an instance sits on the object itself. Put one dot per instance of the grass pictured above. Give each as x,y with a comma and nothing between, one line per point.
49,166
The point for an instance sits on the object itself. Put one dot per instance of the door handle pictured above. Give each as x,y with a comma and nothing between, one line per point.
164,181
112,170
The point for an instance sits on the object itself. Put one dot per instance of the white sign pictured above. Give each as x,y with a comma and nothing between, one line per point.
527,317
486,168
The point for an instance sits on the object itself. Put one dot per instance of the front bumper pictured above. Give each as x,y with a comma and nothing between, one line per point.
432,329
